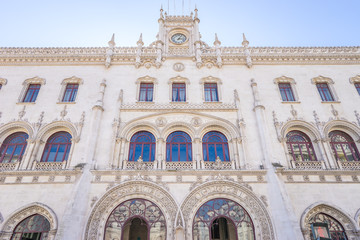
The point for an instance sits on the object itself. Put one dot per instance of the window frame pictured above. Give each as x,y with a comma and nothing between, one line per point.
26,84
307,142
209,80
350,142
35,92
64,84
147,87
356,81
49,145
325,92
170,144
133,144
224,146
178,80
146,80
3,82
330,84
292,83
6,143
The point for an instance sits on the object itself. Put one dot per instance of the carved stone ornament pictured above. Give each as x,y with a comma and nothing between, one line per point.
27,211
232,191
179,67
123,192
196,121
161,122
344,220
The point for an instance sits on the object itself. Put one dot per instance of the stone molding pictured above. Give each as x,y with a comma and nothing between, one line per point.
3,81
230,55
355,79
348,224
24,212
123,192
284,79
235,192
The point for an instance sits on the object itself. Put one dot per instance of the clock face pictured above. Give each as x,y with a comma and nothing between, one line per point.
178,38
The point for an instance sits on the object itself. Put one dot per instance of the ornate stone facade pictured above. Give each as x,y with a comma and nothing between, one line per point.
231,92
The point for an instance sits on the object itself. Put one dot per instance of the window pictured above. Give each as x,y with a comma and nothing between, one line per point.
142,144
178,92
31,93
13,147
286,92
300,146
325,92
337,231
57,148
215,145
0,86
70,92
357,86
33,227
178,147
343,146
146,92
211,92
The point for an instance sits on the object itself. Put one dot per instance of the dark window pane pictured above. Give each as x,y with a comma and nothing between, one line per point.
183,152
174,153
146,152
211,152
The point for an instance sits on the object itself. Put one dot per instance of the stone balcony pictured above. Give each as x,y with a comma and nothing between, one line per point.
48,166
349,165
309,165
11,166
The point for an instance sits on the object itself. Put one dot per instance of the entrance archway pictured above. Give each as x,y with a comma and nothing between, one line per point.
222,219
135,229
136,219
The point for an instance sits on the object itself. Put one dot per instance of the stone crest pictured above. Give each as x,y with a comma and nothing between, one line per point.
179,67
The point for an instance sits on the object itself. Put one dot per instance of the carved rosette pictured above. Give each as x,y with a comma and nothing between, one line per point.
235,192
123,192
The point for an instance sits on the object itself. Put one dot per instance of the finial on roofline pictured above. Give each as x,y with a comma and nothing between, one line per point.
217,42
245,42
112,41
140,41
161,12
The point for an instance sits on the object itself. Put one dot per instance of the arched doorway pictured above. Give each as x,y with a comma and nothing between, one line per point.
136,219
135,229
35,227
222,219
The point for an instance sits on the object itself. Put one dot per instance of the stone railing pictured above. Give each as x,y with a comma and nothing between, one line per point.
349,165
9,166
48,166
138,165
179,165
309,165
218,165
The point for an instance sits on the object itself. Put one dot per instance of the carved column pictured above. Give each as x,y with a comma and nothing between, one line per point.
28,163
235,150
74,220
327,153
122,157
285,223
31,144
160,150
197,153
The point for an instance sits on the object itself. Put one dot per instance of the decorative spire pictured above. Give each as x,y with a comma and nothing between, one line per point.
140,41
196,14
217,42
245,42
112,41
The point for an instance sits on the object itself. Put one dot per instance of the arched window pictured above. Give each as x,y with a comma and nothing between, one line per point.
178,147
142,144
300,146
57,147
343,146
215,144
13,147
336,230
222,219
33,227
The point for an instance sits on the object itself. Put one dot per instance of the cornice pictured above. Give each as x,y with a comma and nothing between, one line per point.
229,55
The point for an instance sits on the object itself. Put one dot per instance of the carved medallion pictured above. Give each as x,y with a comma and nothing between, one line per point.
161,122
196,122
179,67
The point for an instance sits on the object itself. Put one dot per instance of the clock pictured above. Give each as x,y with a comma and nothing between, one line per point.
178,38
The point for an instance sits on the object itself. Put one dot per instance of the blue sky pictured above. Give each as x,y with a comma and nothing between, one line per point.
90,23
